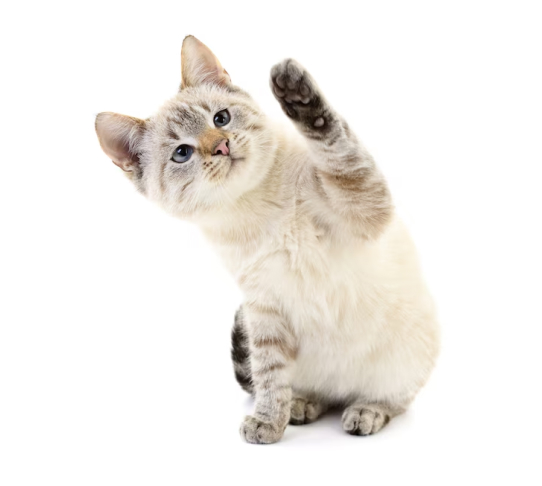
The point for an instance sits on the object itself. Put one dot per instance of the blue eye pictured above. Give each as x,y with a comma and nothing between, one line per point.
222,118
182,154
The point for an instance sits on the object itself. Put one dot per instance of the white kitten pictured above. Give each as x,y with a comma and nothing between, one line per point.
336,312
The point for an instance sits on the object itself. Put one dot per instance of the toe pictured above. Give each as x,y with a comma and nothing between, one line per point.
278,92
350,421
297,411
304,90
380,420
280,80
366,420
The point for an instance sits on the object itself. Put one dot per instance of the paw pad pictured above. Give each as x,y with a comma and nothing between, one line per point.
319,122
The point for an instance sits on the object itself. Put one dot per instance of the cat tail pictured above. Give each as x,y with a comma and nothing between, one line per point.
240,353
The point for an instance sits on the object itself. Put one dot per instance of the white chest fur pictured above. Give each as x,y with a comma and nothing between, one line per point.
360,311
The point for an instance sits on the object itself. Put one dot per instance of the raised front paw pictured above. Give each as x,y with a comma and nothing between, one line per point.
298,95
257,431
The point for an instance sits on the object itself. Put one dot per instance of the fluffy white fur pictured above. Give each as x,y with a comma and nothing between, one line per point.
360,310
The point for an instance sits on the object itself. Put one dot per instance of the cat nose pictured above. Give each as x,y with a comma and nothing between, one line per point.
222,148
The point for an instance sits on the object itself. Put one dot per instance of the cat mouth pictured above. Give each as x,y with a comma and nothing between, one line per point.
219,168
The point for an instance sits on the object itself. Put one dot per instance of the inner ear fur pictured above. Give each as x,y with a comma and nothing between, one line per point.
119,137
200,66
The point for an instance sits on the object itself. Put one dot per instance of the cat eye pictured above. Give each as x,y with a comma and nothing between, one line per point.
182,154
222,118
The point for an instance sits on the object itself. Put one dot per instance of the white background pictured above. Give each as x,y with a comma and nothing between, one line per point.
115,318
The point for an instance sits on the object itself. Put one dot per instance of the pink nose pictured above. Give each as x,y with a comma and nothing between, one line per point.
222,148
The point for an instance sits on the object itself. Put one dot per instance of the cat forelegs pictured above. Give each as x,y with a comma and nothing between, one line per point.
272,352
346,175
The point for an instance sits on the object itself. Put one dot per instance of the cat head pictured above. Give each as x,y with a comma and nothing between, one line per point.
204,149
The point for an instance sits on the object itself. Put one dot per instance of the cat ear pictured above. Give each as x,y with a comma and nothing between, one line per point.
199,65
119,136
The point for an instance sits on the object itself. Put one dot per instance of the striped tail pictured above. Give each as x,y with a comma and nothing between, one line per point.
240,353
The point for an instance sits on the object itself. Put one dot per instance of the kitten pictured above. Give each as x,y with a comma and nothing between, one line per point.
335,310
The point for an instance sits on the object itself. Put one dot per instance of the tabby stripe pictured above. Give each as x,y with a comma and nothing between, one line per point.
162,177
